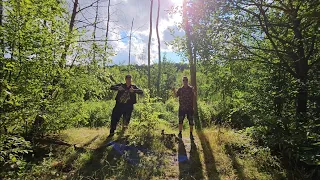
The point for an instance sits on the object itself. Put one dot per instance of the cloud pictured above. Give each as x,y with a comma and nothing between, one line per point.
122,12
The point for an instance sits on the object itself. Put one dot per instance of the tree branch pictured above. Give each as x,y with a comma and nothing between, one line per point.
99,40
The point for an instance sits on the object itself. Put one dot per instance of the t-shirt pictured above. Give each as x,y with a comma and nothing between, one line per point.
185,95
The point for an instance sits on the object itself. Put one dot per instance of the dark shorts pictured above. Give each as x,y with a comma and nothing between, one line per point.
182,115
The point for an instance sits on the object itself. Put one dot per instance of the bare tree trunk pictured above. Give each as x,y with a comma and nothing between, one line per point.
130,42
194,80
1,34
1,43
191,56
107,33
159,53
71,25
149,43
94,34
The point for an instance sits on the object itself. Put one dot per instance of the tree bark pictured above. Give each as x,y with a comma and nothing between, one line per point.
159,52
130,43
94,33
71,25
301,68
149,44
1,34
107,33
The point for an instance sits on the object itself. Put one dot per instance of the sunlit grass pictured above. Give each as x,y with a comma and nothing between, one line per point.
89,137
220,153
234,156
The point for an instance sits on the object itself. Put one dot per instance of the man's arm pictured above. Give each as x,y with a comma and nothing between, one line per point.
137,90
115,87
194,92
176,93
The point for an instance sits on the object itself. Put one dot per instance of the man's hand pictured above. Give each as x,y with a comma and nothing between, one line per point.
194,90
131,90
174,92
120,88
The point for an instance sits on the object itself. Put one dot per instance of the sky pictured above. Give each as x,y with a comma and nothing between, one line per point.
122,12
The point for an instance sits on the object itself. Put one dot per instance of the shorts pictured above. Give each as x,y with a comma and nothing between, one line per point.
182,115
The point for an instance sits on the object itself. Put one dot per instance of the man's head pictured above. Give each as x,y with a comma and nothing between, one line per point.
185,80
128,79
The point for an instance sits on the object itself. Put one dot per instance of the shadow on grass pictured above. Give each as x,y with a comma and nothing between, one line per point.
189,168
195,166
101,161
78,150
236,165
183,161
120,159
209,159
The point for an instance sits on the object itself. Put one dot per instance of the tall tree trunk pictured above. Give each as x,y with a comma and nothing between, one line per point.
1,34
71,25
194,80
107,33
1,42
130,43
149,43
301,68
159,52
94,34
191,57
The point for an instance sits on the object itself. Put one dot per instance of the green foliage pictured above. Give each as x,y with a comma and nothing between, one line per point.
206,113
12,152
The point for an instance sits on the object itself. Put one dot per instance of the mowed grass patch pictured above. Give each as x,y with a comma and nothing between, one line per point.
90,138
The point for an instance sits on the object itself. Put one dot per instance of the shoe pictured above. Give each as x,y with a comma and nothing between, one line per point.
191,137
180,135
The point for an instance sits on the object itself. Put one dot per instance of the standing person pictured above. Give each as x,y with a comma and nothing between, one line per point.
186,94
125,99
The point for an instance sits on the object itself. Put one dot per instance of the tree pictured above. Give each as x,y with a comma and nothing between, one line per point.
149,44
1,35
159,52
130,42
94,44
71,26
107,33
191,51
281,34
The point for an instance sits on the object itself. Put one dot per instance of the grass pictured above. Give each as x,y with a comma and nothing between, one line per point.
216,153
90,138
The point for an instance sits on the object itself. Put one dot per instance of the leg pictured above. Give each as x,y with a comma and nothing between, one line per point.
127,116
191,122
181,118
115,117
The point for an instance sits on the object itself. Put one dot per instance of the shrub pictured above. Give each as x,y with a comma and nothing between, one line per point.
12,150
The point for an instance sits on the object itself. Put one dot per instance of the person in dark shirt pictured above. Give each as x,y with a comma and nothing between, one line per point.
125,99
186,95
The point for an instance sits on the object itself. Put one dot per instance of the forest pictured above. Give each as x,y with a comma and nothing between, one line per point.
254,66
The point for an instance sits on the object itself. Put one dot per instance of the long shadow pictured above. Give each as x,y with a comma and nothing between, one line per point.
209,159
118,159
235,163
90,142
183,161
195,163
68,164
98,163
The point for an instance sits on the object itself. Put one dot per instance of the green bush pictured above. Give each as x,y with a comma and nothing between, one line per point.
12,151
206,113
